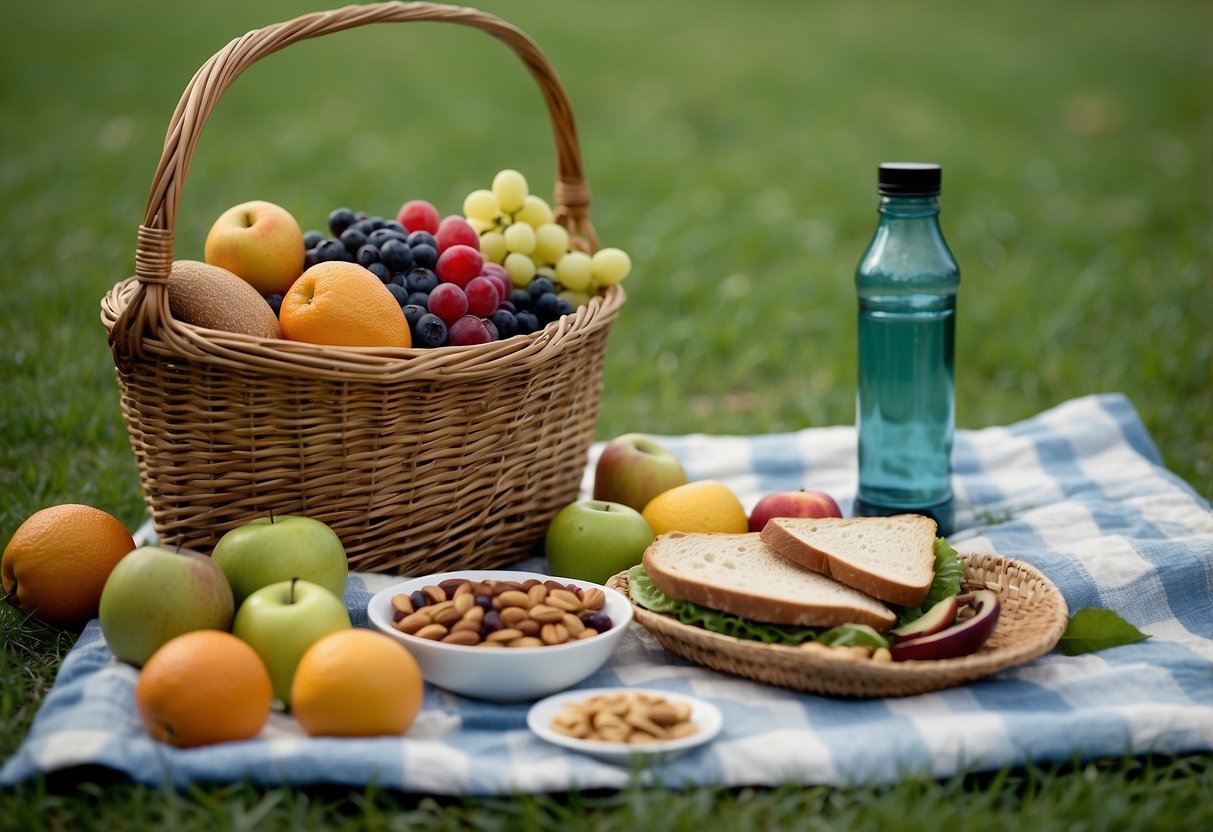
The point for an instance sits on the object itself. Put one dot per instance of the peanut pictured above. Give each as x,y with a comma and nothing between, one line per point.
625,717
434,632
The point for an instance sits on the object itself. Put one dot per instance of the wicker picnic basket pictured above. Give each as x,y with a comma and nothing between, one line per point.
1032,619
420,460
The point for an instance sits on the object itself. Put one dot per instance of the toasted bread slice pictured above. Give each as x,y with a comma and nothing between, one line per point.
739,574
890,558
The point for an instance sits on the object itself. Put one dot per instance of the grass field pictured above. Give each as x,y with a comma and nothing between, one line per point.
731,149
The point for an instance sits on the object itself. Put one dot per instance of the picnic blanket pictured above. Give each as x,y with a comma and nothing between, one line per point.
1078,491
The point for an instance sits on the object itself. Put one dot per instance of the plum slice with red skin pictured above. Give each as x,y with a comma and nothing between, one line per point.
939,617
959,639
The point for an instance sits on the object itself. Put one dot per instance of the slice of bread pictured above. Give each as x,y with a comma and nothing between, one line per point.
890,558
739,574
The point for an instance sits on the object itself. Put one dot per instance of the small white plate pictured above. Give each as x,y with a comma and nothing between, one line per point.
705,715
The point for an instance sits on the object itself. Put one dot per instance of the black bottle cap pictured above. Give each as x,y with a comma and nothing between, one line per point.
909,178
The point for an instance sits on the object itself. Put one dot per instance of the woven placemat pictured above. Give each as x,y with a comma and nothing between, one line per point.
1032,620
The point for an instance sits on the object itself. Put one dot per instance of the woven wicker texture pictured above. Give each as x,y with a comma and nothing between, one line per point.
1032,619
420,460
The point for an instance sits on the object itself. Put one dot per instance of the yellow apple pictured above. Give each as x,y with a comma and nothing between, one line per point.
259,241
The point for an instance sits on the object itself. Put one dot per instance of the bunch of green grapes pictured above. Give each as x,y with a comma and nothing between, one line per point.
517,230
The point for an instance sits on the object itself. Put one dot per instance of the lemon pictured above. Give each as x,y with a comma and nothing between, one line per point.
699,506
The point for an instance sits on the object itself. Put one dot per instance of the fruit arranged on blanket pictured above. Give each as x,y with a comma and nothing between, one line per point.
633,469
155,594
56,564
697,506
203,687
260,242
801,503
594,539
267,550
356,683
342,304
282,620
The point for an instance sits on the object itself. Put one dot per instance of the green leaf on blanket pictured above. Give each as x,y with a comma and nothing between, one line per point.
1094,629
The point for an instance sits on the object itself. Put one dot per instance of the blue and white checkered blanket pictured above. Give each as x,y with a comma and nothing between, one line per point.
1078,491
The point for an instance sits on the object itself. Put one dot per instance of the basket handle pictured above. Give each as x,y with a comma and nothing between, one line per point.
148,309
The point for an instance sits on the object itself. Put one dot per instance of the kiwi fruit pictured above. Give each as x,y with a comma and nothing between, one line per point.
211,297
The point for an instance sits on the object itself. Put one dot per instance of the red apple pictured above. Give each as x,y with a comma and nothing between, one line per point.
792,504
634,469
959,639
260,242
939,617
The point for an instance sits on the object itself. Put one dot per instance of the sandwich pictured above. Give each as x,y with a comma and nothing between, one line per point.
830,581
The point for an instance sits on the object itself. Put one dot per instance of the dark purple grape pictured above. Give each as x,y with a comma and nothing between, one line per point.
423,238
540,286
429,332
492,622
425,255
506,323
329,250
341,219
527,322
547,307
352,239
599,621
485,602
421,280
399,293
522,300
366,255
396,255
418,598
412,314
381,235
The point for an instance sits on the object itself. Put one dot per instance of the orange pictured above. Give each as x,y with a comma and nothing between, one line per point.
203,687
57,561
356,683
344,305
699,506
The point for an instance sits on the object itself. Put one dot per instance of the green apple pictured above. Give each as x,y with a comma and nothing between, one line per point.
281,621
633,469
593,539
259,241
272,549
155,594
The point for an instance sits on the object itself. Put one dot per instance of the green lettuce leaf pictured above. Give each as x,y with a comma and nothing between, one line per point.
949,572
644,593
1094,629
852,634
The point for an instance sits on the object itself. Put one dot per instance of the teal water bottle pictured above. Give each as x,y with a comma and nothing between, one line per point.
905,404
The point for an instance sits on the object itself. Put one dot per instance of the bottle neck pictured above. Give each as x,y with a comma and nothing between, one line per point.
909,206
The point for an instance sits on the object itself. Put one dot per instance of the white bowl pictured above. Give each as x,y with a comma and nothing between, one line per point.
705,715
514,674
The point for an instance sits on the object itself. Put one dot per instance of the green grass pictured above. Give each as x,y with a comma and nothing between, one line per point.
731,149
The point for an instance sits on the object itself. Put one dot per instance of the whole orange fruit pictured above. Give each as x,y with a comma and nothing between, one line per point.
356,683
203,687
698,506
344,305
57,561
